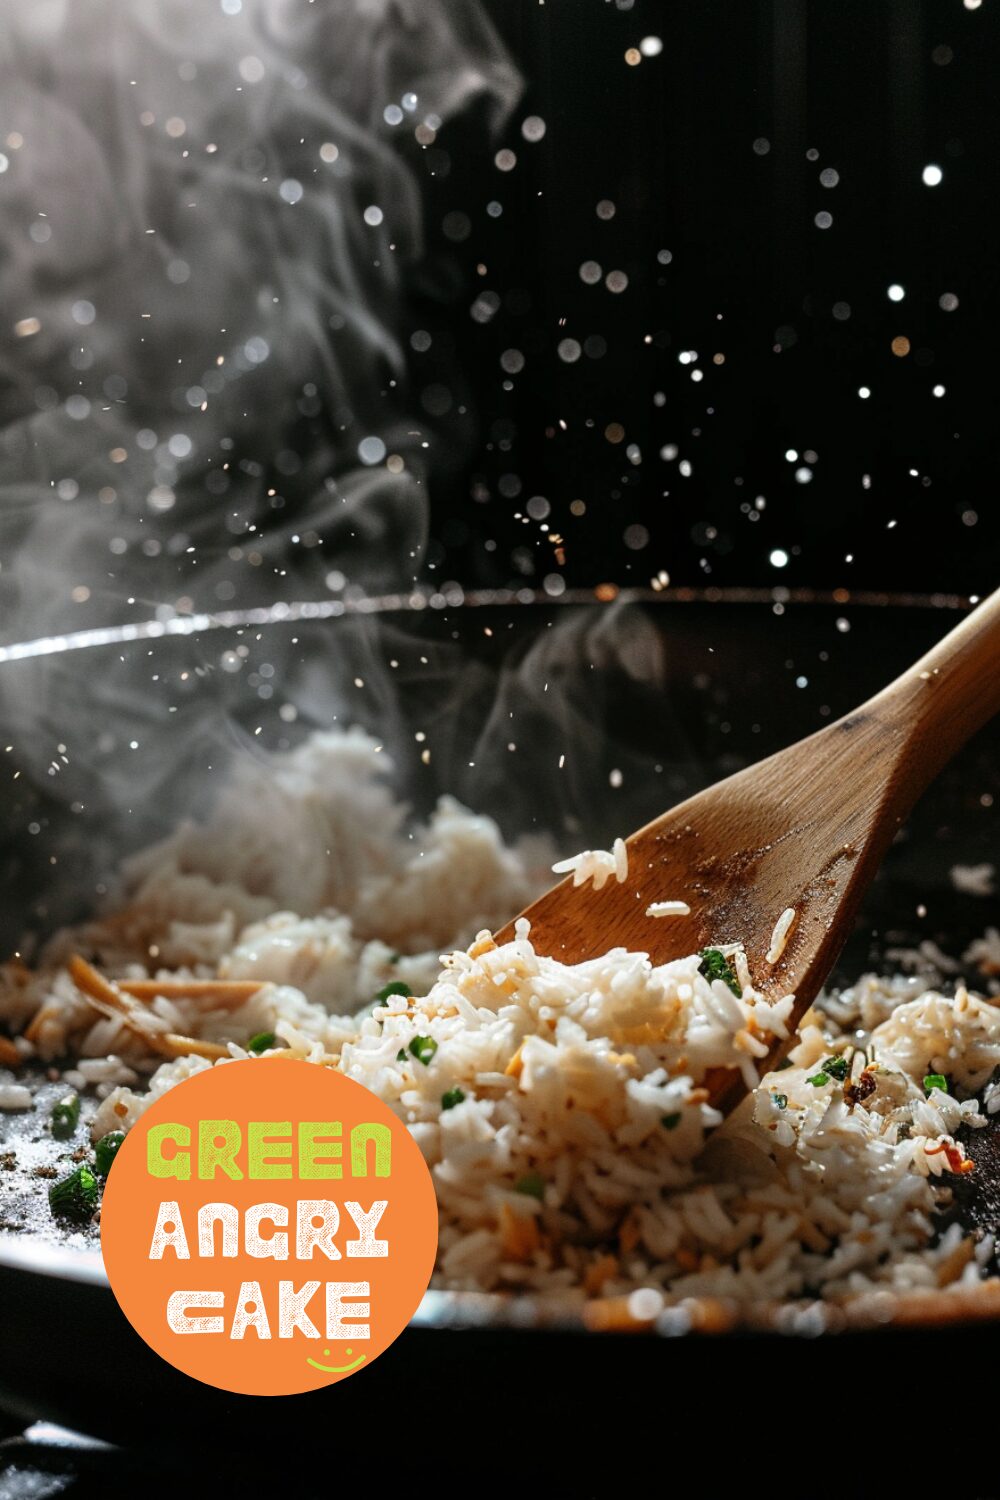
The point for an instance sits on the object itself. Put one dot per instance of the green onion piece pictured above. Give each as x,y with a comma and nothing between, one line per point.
780,1101
671,1122
936,1081
401,1055
106,1150
786,1062
451,1098
65,1117
533,1185
818,1080
262,1042
423,1048
395,957
395,988
836,1067
715,965
75,1196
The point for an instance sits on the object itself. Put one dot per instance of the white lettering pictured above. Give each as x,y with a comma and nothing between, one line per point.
317,1221
276,1245
225,1214
292,1310
337,1293
250,1312
366,1223
168,1233
179,1320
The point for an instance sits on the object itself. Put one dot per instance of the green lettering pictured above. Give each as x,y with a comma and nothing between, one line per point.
316,1148
381,1135
179,1164
269,1136
218,1143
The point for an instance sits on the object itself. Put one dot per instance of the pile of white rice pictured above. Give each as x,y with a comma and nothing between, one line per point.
559,1108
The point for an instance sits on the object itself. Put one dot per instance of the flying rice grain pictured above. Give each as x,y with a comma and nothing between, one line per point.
779,937
668,909
596,865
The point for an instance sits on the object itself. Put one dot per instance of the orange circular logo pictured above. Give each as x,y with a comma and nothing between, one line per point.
269,1227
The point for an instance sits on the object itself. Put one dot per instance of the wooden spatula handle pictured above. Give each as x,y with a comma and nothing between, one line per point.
947,695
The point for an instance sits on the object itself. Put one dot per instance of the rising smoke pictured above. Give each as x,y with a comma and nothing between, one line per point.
208,215
209,212
206,224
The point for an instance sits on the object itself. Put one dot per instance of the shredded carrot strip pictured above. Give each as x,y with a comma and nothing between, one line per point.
629,1233
228,993
515,1067
956,1162
109,997
96,987
955,1262
174,1045
519,1236
611,1315
599,1272
38,1020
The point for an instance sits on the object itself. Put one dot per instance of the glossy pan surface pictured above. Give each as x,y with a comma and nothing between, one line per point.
670,692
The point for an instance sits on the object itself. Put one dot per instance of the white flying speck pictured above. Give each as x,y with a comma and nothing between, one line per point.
973,880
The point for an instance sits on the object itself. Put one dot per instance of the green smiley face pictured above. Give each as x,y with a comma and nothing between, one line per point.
337,1369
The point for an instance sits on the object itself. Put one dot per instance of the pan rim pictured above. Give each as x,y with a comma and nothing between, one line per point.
879,1311
456,598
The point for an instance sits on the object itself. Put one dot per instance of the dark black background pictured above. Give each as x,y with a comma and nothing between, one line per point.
875,89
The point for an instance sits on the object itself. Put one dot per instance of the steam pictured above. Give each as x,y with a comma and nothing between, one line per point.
207,212
206,216
204,225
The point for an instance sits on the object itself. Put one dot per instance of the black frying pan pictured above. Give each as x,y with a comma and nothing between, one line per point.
683,690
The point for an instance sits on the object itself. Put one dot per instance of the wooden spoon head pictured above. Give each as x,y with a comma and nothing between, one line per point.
804,829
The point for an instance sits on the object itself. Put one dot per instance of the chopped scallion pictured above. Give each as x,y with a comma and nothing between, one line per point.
75,1196
780,1101
262,1042
818,1080
106,1150
451,1097
715,965
936,1081
670,1122
836,1067
533,1185
65,1117
396,987
423,1048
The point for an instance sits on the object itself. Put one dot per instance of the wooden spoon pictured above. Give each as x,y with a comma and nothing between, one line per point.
806,829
